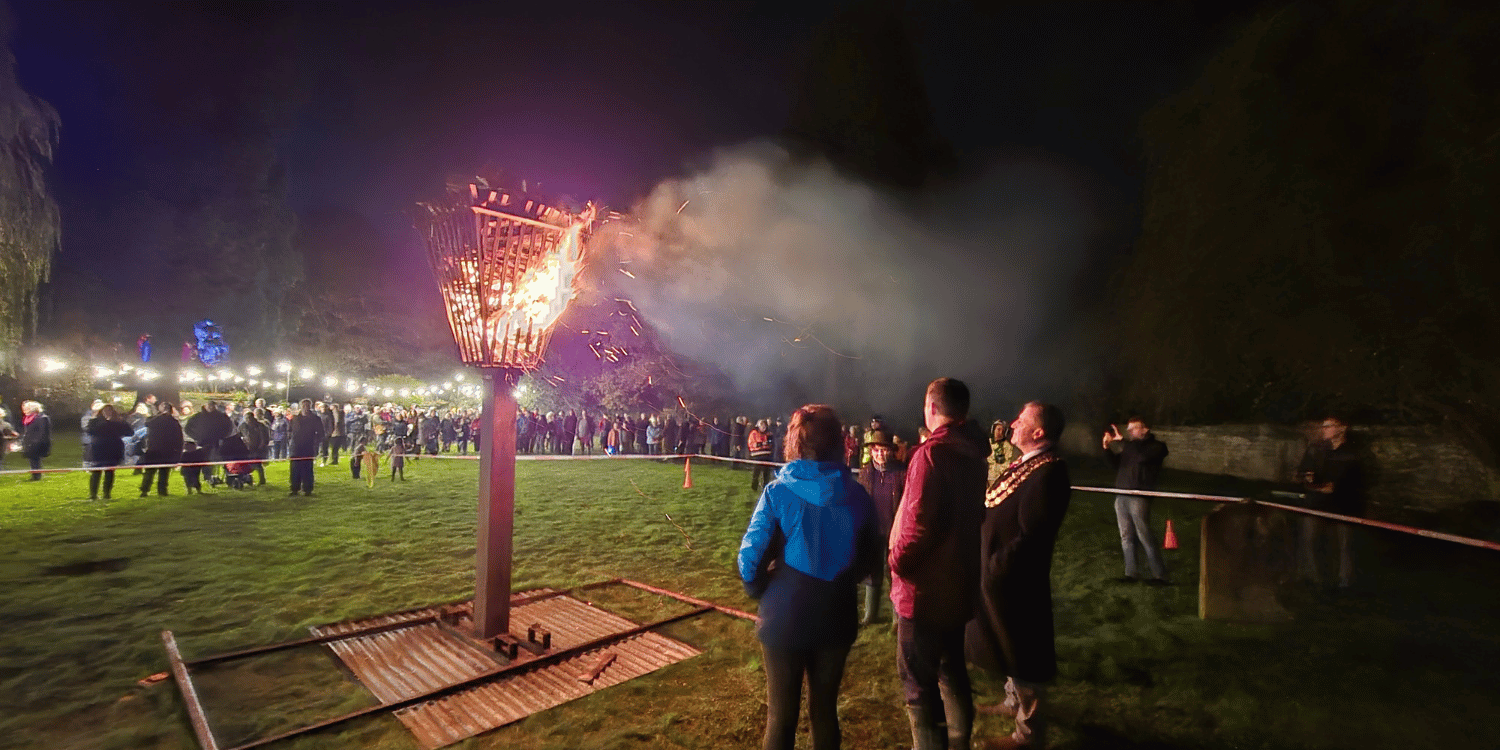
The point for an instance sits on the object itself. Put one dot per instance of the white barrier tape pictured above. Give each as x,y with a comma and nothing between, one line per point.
68,469
413,455
1307,512
606,457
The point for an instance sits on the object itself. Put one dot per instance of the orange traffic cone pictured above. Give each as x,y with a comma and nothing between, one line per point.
1170,540
687,474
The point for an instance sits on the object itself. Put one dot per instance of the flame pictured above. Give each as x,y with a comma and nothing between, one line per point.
512,314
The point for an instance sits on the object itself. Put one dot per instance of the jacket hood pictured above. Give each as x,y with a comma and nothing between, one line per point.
815,482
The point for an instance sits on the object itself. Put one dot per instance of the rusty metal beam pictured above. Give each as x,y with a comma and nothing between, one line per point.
538,662
690,600
312,641
189,695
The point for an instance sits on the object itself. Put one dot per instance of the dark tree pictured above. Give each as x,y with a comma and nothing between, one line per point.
1319,224
29,221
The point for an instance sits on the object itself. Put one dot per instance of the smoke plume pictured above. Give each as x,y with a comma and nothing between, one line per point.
803,285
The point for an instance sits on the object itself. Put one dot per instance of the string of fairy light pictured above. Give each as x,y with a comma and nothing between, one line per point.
254,377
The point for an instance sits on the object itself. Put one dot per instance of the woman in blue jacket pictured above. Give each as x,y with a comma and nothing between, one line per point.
811,539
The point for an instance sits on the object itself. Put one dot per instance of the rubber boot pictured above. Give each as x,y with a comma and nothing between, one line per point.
960,716
925,734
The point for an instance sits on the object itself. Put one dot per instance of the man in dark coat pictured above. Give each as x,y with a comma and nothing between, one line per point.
569,432
1137,466
1011,634
1333,478
163,446
885,479
934,563
307,435
208,427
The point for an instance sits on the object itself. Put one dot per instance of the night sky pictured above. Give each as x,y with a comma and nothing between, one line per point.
597,101
365,108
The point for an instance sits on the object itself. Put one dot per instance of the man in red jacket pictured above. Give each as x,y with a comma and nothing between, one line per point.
934,562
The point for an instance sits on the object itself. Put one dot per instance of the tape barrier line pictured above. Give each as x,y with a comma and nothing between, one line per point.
412,455
75,469
607,457
1425,533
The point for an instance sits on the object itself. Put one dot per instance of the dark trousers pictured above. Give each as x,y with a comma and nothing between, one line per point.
824,670
36,466
109,482
930,661
302,473
161,480
354,462
760,474
335,444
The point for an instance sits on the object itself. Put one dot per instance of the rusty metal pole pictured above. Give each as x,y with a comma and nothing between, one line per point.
497,504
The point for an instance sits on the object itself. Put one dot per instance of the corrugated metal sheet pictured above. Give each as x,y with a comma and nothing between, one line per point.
401,663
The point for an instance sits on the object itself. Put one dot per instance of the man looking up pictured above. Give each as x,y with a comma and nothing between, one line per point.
934,563
307,435
1137,466
1011,635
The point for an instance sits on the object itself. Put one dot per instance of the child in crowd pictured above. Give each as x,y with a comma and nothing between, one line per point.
360,449
372,467
192,475
398,458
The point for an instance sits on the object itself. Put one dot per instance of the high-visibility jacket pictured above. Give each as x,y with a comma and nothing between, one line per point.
759,443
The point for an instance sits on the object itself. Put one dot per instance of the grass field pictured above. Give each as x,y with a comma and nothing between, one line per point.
88,586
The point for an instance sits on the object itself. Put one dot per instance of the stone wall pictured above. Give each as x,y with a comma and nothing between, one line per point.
1408,467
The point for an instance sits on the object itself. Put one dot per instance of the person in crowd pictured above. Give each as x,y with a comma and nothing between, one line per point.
586,427
759,443
36,436
192,474
811,537
432,432
449,430
697,431
1011,636
1332,478
163,446
877,423
653,437
108,431
738,428
306,437
523,431
627,434
324,413
669,434
903,448
1002,452
84,437
612,437
934,564
357,458
257,437
398,459
569,432
885,479
776,437
280,431
720,438
208,428
640,433
7,434
465,432
852,447
338,437
922,434
1137,465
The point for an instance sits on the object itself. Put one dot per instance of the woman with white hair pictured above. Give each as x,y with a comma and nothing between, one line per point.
36,436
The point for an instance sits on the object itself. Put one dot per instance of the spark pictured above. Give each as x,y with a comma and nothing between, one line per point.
627,273
684,205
